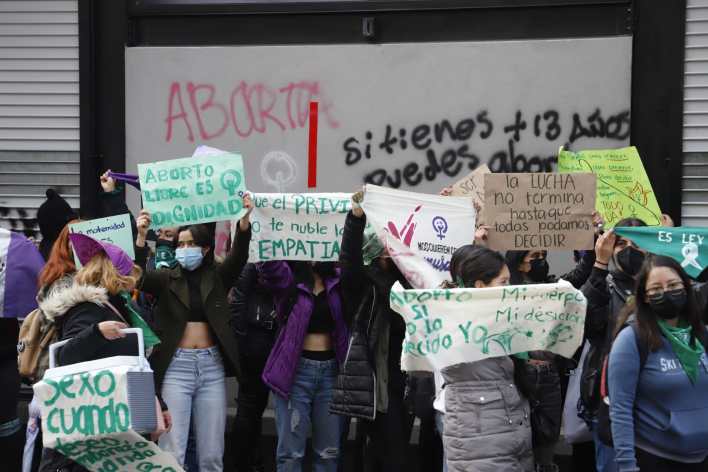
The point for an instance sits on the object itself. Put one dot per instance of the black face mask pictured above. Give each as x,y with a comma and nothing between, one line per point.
670,304
630,260
539,270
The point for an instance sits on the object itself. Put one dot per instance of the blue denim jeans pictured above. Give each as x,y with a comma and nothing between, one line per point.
604,454
194,388
308,407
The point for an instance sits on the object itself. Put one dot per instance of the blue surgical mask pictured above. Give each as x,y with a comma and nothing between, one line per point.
189,257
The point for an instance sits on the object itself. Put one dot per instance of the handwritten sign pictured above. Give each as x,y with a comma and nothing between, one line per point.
191,191
472,185
434,226
623,188
540,211
686,245
86,417
297,226
112,229
448,326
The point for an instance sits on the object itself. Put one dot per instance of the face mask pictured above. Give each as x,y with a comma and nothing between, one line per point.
630,260
189,257
670,304
165,254
539,270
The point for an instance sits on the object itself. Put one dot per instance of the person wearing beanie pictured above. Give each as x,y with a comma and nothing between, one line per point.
52,216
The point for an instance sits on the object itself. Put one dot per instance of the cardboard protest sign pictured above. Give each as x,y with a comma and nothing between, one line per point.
540,211
431,225
472,185
623,188
190,191
449,326
297,226
112,229
686,245
87,417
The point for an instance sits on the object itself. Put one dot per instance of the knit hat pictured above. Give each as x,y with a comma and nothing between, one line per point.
52,216
85,247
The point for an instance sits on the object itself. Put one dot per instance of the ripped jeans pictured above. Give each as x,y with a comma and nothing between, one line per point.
308,406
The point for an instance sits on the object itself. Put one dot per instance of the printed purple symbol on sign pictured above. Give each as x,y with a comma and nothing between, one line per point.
440,226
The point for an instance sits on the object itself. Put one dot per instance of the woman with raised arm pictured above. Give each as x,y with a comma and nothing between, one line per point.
198,347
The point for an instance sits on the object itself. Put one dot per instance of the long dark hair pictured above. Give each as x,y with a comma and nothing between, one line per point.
202,237
471,263
303,272
646,319
514,259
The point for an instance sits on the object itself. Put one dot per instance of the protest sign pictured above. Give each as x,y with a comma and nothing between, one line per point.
297,226
87,417
431,225
190,191
623,188
686,245
112,229
540,211
472,185
448,326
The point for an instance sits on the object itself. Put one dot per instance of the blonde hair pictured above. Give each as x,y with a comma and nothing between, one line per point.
99,271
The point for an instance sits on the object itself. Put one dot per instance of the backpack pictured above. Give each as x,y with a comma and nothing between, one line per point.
36,334
604,422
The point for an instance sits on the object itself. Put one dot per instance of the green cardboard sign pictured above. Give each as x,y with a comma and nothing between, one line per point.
192,191
112,229
623,188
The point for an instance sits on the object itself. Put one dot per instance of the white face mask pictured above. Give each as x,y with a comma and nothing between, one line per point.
189,257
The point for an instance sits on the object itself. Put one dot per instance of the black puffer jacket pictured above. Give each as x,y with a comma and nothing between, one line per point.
377,332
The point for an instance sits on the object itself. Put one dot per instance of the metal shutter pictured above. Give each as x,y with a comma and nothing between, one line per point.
39,107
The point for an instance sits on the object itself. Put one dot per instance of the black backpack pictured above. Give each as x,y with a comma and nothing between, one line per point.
604,422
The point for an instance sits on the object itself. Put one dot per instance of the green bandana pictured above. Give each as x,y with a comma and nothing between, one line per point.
371,248
137,321
679,338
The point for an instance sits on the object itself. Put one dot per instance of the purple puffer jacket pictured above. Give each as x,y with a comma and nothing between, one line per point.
279,371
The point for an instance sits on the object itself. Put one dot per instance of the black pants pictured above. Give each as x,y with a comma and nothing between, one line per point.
648,462
252,400
12,444
388,436
546,409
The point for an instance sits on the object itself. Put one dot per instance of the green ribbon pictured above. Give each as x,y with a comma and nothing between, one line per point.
137,321
679,338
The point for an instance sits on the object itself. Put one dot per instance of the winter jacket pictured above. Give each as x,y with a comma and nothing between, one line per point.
294,303
77,310
374,353
173,305
252,306
486,424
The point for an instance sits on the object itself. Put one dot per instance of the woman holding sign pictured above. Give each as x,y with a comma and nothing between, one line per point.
486,424
542,370
198,347
90,313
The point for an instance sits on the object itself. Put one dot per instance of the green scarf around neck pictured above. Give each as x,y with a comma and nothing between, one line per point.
679,337
137,321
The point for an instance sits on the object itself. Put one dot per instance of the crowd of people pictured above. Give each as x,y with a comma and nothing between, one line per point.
323,340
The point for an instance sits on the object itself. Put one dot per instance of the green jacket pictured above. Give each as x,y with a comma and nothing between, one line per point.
172,293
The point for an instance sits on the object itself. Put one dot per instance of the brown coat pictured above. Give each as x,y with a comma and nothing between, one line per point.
172,293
